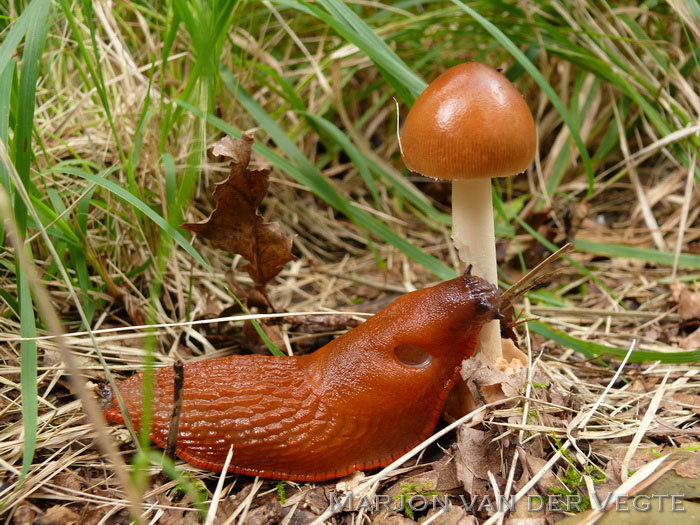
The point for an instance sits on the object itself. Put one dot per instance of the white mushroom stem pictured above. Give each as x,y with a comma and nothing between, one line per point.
474,238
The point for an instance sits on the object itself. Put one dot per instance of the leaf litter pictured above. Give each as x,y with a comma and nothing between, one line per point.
502,450
519,438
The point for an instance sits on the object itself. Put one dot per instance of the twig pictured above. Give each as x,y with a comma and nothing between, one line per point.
144,327
211,513
601,312
685,209
178,383
643,426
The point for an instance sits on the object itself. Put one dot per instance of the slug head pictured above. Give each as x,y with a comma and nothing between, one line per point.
414,345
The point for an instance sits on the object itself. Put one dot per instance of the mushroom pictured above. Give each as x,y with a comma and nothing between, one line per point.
470,125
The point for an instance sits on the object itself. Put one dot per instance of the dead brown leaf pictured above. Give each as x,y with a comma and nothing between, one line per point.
391,518
95,516
452,515
676,288
616,452
316,500
441,481
236,225
527,512
270,511
71,480
301,517
60,514
177,513
24,515
535,465
689,468
272,331
688,301
682,401
488,383
476,457
692,341
526,521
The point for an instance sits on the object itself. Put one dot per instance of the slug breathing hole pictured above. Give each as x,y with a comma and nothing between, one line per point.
413,356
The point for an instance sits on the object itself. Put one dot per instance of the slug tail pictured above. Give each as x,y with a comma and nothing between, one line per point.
113,415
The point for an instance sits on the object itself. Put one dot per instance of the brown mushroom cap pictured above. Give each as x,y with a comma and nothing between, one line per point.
470,122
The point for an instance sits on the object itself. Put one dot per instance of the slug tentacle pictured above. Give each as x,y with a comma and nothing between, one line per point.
358,403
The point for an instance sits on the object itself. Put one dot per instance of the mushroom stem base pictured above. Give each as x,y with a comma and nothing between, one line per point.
475,240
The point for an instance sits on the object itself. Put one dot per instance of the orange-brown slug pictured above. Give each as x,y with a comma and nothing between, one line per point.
358,403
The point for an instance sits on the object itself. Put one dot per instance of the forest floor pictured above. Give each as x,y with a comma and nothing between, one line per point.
609,402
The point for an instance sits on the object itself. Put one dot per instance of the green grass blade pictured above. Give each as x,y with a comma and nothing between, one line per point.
50,218
553,248
693,7
37,19
71,239
79,256
14,35
170,209
590,349
24,118
28,374
687,260
525,62
11,301
411,194
604,70
394,70
6,76
308,175
353,29
366,165
344,142
195,489
274,81
94,69
124,195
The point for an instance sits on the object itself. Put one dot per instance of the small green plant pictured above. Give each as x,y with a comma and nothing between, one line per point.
409,490
691,447
281,494
573,478
187,484
537,501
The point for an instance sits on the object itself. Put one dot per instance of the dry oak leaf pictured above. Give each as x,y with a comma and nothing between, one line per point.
476,456
235,225
690,342
688,301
